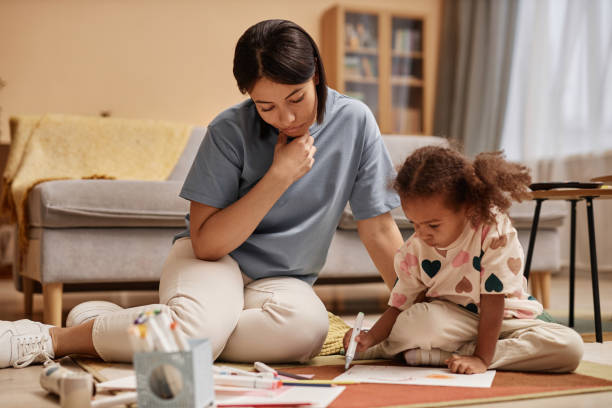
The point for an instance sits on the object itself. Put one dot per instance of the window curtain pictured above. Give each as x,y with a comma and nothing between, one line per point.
474,71
534,78
559,118
560,100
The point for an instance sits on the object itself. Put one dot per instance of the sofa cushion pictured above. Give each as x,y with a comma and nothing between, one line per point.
94,255
347,222
107,203
400,146
348,257
551,216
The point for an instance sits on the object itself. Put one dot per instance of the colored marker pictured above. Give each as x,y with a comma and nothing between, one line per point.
179,337
233,370
319,382
350,352
246,381
264,368
159,337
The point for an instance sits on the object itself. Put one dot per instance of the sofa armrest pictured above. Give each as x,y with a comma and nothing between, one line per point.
107,203
347,222
401,146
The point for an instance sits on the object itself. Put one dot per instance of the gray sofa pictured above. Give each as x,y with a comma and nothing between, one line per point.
116,234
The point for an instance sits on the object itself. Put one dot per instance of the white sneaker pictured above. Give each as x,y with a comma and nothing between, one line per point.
24,342
86,311
431,358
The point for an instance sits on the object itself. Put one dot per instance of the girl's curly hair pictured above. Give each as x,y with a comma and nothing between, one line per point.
489,182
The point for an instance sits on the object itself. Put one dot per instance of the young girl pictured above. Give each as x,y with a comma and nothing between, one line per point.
466,259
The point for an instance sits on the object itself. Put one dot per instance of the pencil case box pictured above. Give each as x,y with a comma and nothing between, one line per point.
181,379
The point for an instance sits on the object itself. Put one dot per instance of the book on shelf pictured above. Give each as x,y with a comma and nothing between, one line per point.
406,120
404,67
367,67
360,35
407,40
409,80
352,65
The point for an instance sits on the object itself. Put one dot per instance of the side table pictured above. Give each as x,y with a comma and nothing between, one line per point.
573,196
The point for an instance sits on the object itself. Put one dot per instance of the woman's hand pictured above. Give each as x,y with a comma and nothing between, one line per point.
466,364
293,160
217,232
364,340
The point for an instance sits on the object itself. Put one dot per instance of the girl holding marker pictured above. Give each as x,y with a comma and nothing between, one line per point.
466,258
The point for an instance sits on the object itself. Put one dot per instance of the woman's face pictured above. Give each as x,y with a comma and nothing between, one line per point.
289,108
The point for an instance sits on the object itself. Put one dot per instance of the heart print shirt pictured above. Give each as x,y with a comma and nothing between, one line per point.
487,259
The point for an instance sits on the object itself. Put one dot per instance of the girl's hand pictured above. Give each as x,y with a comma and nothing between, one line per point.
347,338
293,160
364,340
466,364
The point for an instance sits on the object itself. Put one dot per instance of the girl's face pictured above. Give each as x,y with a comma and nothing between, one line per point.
289,108
434,222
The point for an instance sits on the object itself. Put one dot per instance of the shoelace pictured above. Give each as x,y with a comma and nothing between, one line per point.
29,349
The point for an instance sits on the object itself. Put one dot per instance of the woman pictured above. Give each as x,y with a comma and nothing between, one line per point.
267,189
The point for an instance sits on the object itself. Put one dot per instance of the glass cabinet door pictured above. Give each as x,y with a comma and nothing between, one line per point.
361,70
407,75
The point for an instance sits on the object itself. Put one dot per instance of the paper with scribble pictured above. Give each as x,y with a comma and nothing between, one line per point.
416,376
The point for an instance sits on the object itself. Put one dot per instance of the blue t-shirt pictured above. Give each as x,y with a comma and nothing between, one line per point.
351,164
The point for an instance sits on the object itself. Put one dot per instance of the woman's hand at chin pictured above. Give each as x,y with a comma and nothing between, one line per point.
294,159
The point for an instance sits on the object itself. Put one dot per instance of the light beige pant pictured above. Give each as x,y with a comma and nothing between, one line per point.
274,320
523,345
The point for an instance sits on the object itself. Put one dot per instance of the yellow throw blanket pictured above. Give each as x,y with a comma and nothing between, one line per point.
54,147
335,335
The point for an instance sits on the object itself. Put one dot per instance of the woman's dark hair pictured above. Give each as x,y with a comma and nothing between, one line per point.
483,185
283,52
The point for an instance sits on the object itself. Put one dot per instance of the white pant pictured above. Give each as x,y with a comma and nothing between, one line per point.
523,345
278,319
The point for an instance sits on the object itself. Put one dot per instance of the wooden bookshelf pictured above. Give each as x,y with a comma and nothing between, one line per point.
387,59
407,81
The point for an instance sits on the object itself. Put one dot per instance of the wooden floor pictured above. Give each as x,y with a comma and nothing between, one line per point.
20,387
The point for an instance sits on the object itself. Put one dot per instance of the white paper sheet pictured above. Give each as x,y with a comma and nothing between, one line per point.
319,397
415,376
118,371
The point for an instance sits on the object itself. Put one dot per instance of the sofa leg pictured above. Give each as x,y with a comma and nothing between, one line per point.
534,280
545,288
28,295
540,286
52,300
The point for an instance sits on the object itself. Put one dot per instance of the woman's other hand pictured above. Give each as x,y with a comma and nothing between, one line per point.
294,159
